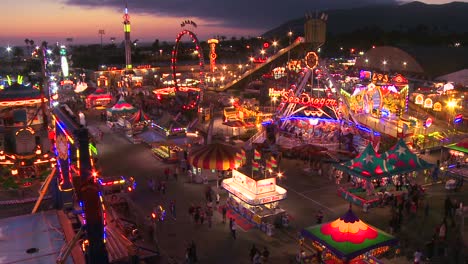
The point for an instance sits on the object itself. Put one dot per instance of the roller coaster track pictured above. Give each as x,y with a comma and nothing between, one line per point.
264,67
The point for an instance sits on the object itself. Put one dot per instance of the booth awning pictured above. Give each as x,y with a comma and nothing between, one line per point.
122,107
214,156
367,165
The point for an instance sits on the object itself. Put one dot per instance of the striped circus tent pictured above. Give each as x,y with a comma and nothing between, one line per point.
215,156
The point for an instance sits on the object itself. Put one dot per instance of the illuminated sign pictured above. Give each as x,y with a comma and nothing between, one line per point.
271,199
266,185
399,79
437,107
307,100
365,75
295,65
428,103
458,119
244,181
419,100
428,122
272,92
64,82
311,60
379,78
212,43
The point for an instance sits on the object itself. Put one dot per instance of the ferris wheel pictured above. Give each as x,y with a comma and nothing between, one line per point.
192,103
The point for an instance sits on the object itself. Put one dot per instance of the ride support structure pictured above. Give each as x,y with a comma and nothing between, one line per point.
72,142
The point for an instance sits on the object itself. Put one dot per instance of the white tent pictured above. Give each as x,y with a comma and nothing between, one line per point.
458,78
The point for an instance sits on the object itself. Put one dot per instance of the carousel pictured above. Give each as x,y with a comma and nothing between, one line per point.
348,240
211,161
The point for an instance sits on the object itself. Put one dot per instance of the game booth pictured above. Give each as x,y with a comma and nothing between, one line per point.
167,126
99,99
210,161
377,177
169,153
257,200
348,240
135,124
117,113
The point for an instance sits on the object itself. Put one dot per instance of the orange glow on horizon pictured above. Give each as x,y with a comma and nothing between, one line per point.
52,21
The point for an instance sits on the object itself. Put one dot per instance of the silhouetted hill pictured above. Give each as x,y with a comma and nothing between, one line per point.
446,18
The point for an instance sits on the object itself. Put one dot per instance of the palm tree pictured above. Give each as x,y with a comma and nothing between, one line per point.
26,41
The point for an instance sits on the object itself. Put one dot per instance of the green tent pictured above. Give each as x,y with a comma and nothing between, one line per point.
348,237
403,160
367,165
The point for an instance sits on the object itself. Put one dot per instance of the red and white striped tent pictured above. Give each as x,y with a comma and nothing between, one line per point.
216,156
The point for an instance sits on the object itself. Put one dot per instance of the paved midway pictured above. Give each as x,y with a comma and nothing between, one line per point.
307,193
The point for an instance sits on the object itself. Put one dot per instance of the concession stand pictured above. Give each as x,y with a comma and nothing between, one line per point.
256,200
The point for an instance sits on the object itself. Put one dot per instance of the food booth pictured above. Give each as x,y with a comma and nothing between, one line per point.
256,200
100,98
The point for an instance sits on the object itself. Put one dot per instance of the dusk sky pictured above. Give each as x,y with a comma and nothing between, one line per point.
56,20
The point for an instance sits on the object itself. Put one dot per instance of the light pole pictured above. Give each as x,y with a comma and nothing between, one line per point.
263,53
275,44
273,100
384,64
289,58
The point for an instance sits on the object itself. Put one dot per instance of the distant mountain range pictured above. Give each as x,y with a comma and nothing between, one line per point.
446,18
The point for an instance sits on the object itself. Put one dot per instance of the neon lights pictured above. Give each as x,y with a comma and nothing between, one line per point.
30,129
437,107
419,100
428,103
212,43
21,102
174,56
458,119
379,78
311,60
306,99
93,149
62,128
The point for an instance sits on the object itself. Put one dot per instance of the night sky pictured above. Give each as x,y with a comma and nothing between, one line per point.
56,20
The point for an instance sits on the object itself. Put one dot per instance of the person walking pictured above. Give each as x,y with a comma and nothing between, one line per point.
196,216
265,255
202,217
233,229
417,256
176,173
218,197
253,251
173,210
319,217
224,212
